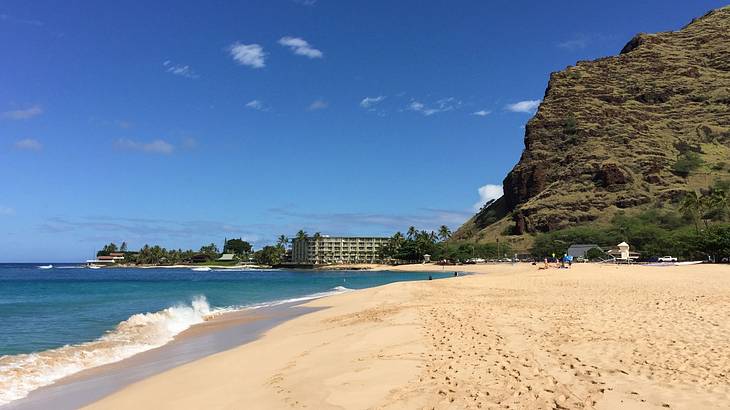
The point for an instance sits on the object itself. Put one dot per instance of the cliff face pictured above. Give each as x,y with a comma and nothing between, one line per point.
609,132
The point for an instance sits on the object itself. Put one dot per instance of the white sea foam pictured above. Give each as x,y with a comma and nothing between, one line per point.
23,373
20,374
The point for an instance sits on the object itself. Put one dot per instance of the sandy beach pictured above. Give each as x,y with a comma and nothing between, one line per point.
594,336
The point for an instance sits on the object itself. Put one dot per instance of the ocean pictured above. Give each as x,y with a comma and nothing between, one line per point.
59,321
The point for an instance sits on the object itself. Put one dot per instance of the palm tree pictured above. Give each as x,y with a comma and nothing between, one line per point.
444,232
317,236
412,233
719,203
282,241
302,234
691,206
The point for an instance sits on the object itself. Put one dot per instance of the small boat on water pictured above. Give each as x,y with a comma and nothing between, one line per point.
94,267
45,267
202,269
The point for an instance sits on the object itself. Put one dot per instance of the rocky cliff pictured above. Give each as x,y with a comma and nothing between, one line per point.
609,133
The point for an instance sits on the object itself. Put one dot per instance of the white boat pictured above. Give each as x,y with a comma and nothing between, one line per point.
202,269
94,267
45,267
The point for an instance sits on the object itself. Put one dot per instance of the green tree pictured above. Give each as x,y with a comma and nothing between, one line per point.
691,207
282,241
302,234
123,247
411,234
239,247
686,163
210,251
269,255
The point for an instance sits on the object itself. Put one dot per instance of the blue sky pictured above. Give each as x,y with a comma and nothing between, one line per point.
182,124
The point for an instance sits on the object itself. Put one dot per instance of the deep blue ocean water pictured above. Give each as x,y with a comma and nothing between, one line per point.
45,309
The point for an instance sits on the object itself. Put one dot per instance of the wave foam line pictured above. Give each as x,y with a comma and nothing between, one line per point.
20,374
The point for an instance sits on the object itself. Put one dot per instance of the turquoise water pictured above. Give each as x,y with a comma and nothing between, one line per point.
42,309
55,322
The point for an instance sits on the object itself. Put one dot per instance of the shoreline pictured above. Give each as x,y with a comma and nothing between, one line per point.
596,336
88,385
220,333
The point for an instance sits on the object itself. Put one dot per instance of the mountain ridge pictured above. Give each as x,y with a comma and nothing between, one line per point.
610,132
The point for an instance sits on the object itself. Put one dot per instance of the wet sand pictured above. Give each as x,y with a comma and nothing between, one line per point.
594,336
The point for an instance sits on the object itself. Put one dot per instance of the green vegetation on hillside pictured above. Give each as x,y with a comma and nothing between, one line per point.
698,230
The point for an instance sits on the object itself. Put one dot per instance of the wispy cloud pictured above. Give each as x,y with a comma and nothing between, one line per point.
318,104
369,102
300,47
124,124
573,44
6,211
481,113
528,106
23,114
140,230
373,223
257,105
157,146
13,19
28,144
251,55
442,105
488,193
179,69
309,3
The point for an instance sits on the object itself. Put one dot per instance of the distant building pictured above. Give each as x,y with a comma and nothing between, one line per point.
622,253
227,257
337,249
579,250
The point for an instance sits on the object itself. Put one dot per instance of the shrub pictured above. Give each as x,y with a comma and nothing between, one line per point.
686,163
570,125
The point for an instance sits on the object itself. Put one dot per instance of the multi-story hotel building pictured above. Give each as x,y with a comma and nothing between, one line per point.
337,249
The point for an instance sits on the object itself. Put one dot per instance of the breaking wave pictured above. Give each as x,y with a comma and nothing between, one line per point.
22,373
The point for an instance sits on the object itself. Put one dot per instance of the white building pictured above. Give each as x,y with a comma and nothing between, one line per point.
337,249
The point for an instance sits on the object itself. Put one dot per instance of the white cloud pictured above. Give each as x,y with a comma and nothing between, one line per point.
578,43
29,144
300,47
257,105
481,113
368,102
309,3
25,114
442,105
6,211
157,146
12,19
318,105
488,193
251,55
179,69
528,106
